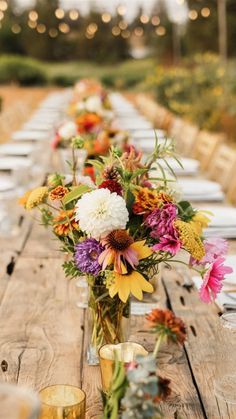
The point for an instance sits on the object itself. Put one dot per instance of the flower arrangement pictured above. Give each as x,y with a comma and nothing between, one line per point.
120,228
136,389
92,118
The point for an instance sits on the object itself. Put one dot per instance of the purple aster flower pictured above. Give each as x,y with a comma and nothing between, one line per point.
161,221
86,256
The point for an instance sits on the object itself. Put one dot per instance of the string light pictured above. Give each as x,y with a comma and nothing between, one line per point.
123,25
138,31
144,19
106,17
59,13
121,10
116,31
125,34
3,5
193,14
205,12
53,32
16,28
155,20
41,28
64,28
1,15
32,24
92,28
73,14
160,31
33,15
89,35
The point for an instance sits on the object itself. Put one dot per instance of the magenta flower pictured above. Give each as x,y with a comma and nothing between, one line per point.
161,221
168,243
214,248
212,280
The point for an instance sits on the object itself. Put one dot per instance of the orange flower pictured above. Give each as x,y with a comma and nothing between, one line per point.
167,325
146,201
58,193
132,159
102,143
64,223
87,121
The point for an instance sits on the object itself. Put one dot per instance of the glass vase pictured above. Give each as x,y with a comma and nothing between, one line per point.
108,321
225,347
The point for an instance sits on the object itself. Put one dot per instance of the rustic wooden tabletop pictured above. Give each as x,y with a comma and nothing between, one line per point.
43,332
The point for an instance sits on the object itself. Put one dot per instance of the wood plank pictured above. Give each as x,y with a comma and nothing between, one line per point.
16,243
41,327
172,364
41,243
201,320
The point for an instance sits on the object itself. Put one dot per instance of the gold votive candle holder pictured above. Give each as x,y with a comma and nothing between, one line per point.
125,352
62,401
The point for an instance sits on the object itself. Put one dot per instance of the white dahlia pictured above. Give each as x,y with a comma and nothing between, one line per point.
99,212
68,130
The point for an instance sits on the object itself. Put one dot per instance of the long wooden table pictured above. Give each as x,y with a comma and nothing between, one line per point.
43,333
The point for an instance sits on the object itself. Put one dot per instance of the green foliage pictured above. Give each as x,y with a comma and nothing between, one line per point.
202,90
70,269
24,71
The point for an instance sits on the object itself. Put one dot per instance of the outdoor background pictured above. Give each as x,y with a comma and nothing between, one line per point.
181,52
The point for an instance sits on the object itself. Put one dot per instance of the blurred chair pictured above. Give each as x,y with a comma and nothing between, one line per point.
157,114
231,193
205,147
188,137
223,165
175,129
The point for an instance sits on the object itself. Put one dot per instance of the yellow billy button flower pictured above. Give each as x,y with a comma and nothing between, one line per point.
23,199
36,197
132,283
190,239
200,221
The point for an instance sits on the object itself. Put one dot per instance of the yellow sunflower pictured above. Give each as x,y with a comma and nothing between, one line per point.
132,283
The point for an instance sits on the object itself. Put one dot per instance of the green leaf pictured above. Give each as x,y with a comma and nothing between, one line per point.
75,193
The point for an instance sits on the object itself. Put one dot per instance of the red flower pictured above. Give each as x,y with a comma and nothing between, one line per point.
112,185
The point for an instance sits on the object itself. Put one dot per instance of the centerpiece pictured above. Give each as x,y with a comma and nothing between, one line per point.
119,229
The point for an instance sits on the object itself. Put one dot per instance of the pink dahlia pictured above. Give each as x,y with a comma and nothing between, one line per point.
161,221
168,243
212,280
214,248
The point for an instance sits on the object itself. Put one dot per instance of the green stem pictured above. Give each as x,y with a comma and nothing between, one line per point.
157,346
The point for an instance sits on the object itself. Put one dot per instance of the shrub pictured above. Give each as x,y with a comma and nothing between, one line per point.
63,80
25,71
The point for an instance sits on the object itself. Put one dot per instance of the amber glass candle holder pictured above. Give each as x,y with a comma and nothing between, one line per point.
62,401
125,352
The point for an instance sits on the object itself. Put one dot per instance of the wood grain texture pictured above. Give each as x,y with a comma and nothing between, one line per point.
201,320
41,327
41,243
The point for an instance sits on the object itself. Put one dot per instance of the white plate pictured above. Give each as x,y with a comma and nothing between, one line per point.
9,163
16,149
6,184
26,135
145,134
192,187
190,166
222,216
